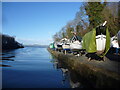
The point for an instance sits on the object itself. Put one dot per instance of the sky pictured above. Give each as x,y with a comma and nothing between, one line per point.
36,22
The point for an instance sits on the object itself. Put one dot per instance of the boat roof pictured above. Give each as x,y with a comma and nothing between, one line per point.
76,37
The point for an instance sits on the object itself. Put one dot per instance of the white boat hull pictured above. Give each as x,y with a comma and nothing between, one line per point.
55,45
119,38
76,45
65,47
58,45
114,42
100,42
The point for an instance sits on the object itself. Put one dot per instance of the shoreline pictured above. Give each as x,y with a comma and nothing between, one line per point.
101,73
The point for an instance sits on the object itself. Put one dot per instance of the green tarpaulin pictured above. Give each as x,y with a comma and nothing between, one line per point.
89,42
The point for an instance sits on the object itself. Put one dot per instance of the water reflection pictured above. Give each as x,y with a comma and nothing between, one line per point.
31,65
7,55
74,80
67,75
37,68
2,65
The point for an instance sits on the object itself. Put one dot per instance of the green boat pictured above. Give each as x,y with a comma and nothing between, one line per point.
52,46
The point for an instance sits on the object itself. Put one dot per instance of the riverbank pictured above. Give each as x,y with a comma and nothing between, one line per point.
9,42
97,73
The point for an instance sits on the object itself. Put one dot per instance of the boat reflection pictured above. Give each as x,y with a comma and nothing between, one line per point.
67,74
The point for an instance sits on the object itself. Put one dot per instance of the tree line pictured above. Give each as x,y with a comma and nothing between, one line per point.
90,15
9,42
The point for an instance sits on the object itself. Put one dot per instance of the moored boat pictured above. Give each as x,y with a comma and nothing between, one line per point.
66,44
51,46
76,44
100,39
115,45
97,42
59,46
114,42
118,36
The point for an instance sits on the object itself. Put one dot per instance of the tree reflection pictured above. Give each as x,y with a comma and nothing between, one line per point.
7,55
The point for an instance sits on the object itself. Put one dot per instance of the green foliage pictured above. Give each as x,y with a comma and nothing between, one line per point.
93,10
56,37
68,31
9,42
111,15
90,15
79,30
63,35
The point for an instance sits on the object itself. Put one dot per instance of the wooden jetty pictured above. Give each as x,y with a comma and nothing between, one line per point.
101,74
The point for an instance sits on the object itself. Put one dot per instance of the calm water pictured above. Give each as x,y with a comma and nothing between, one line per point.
32,67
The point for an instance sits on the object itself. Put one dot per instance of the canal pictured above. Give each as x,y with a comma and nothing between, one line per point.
33,67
